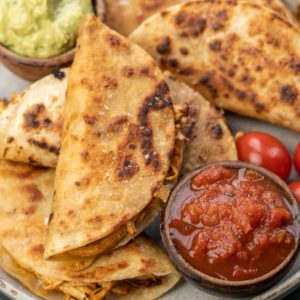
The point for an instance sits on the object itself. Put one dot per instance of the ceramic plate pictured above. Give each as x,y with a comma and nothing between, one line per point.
10,83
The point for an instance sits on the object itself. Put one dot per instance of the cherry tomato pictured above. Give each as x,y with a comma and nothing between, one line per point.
295,187
265,150
297,158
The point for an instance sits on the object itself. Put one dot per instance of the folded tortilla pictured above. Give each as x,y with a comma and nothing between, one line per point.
139,269
125,16
117,142
241,56
209,139
31,123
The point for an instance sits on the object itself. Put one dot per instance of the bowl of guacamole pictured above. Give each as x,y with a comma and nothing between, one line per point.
41,28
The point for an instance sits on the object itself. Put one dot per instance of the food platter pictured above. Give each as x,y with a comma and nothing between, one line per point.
10,83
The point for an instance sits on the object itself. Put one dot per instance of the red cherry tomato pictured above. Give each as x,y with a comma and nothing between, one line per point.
265,150
295,187
297,158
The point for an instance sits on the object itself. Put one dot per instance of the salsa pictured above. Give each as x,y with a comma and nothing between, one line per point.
232,224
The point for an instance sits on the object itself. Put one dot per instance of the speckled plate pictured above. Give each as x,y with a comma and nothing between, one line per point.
10,83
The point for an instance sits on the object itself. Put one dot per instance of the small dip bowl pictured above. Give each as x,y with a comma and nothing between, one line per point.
35,68
234,287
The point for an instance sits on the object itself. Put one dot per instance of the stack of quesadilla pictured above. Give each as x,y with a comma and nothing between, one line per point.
138,270
231,52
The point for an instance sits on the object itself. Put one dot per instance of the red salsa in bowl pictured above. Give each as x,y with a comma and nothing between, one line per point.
232,223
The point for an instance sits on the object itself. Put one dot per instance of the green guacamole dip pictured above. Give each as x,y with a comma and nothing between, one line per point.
41,28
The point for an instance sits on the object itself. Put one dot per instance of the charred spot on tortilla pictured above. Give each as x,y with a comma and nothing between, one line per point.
186,71
288,93
184,50
215,129
156,101
31,117
191,24
173,63
32,192
218,21
128,168
215,45
44,145
59,74
128,71
10,139
207,81
164,47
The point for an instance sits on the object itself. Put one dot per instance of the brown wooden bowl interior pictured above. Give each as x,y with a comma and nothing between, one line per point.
35,68
202,280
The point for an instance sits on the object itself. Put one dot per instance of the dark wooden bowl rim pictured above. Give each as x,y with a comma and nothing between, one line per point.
200,275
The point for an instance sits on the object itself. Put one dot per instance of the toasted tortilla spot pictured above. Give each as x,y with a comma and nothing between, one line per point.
148,263
97,219
91,120
207,81
85,155
109,82
164,47
186,71
215,45
116,123
10,139
128,168
173,63
191,24
184,50
44,146
31,117
37,249
29,210
288,93
33,194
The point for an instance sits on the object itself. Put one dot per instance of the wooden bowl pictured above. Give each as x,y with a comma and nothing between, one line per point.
36,68
202,280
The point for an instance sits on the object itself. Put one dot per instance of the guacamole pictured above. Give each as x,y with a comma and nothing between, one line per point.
41,28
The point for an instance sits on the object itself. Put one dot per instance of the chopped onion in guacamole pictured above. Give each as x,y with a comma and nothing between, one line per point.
41,28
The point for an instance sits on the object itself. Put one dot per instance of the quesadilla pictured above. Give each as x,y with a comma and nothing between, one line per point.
138,269
31,123
209,139
241,56
125,16
117,142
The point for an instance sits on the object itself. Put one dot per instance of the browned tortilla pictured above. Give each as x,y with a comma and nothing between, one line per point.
208,136
125,16
241,56
117,141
